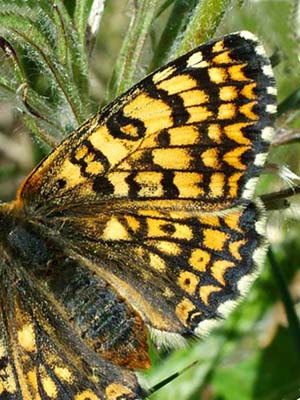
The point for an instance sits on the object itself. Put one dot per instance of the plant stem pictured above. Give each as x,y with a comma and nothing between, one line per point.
129,57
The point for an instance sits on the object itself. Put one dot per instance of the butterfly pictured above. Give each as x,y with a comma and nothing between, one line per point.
141,222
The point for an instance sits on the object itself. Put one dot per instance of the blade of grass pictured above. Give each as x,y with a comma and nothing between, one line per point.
128,61
292,102
203,24
170,378
174,27
294,324
73,56
93,24
81,15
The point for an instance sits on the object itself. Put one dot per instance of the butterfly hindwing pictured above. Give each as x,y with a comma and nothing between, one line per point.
178,268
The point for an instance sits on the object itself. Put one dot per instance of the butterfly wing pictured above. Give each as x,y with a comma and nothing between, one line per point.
198,129
41,357
181,270
154,195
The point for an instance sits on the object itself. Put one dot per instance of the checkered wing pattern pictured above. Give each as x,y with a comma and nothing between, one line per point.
197,130
42,358
143,219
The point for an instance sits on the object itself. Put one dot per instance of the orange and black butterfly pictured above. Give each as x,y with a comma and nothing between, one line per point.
141,221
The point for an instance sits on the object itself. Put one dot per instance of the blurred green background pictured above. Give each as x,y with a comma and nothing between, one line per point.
255,354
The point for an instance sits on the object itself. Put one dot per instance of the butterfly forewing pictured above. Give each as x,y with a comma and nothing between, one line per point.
197,129
143,218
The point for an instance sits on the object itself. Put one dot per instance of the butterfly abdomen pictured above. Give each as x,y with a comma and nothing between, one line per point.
100,316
